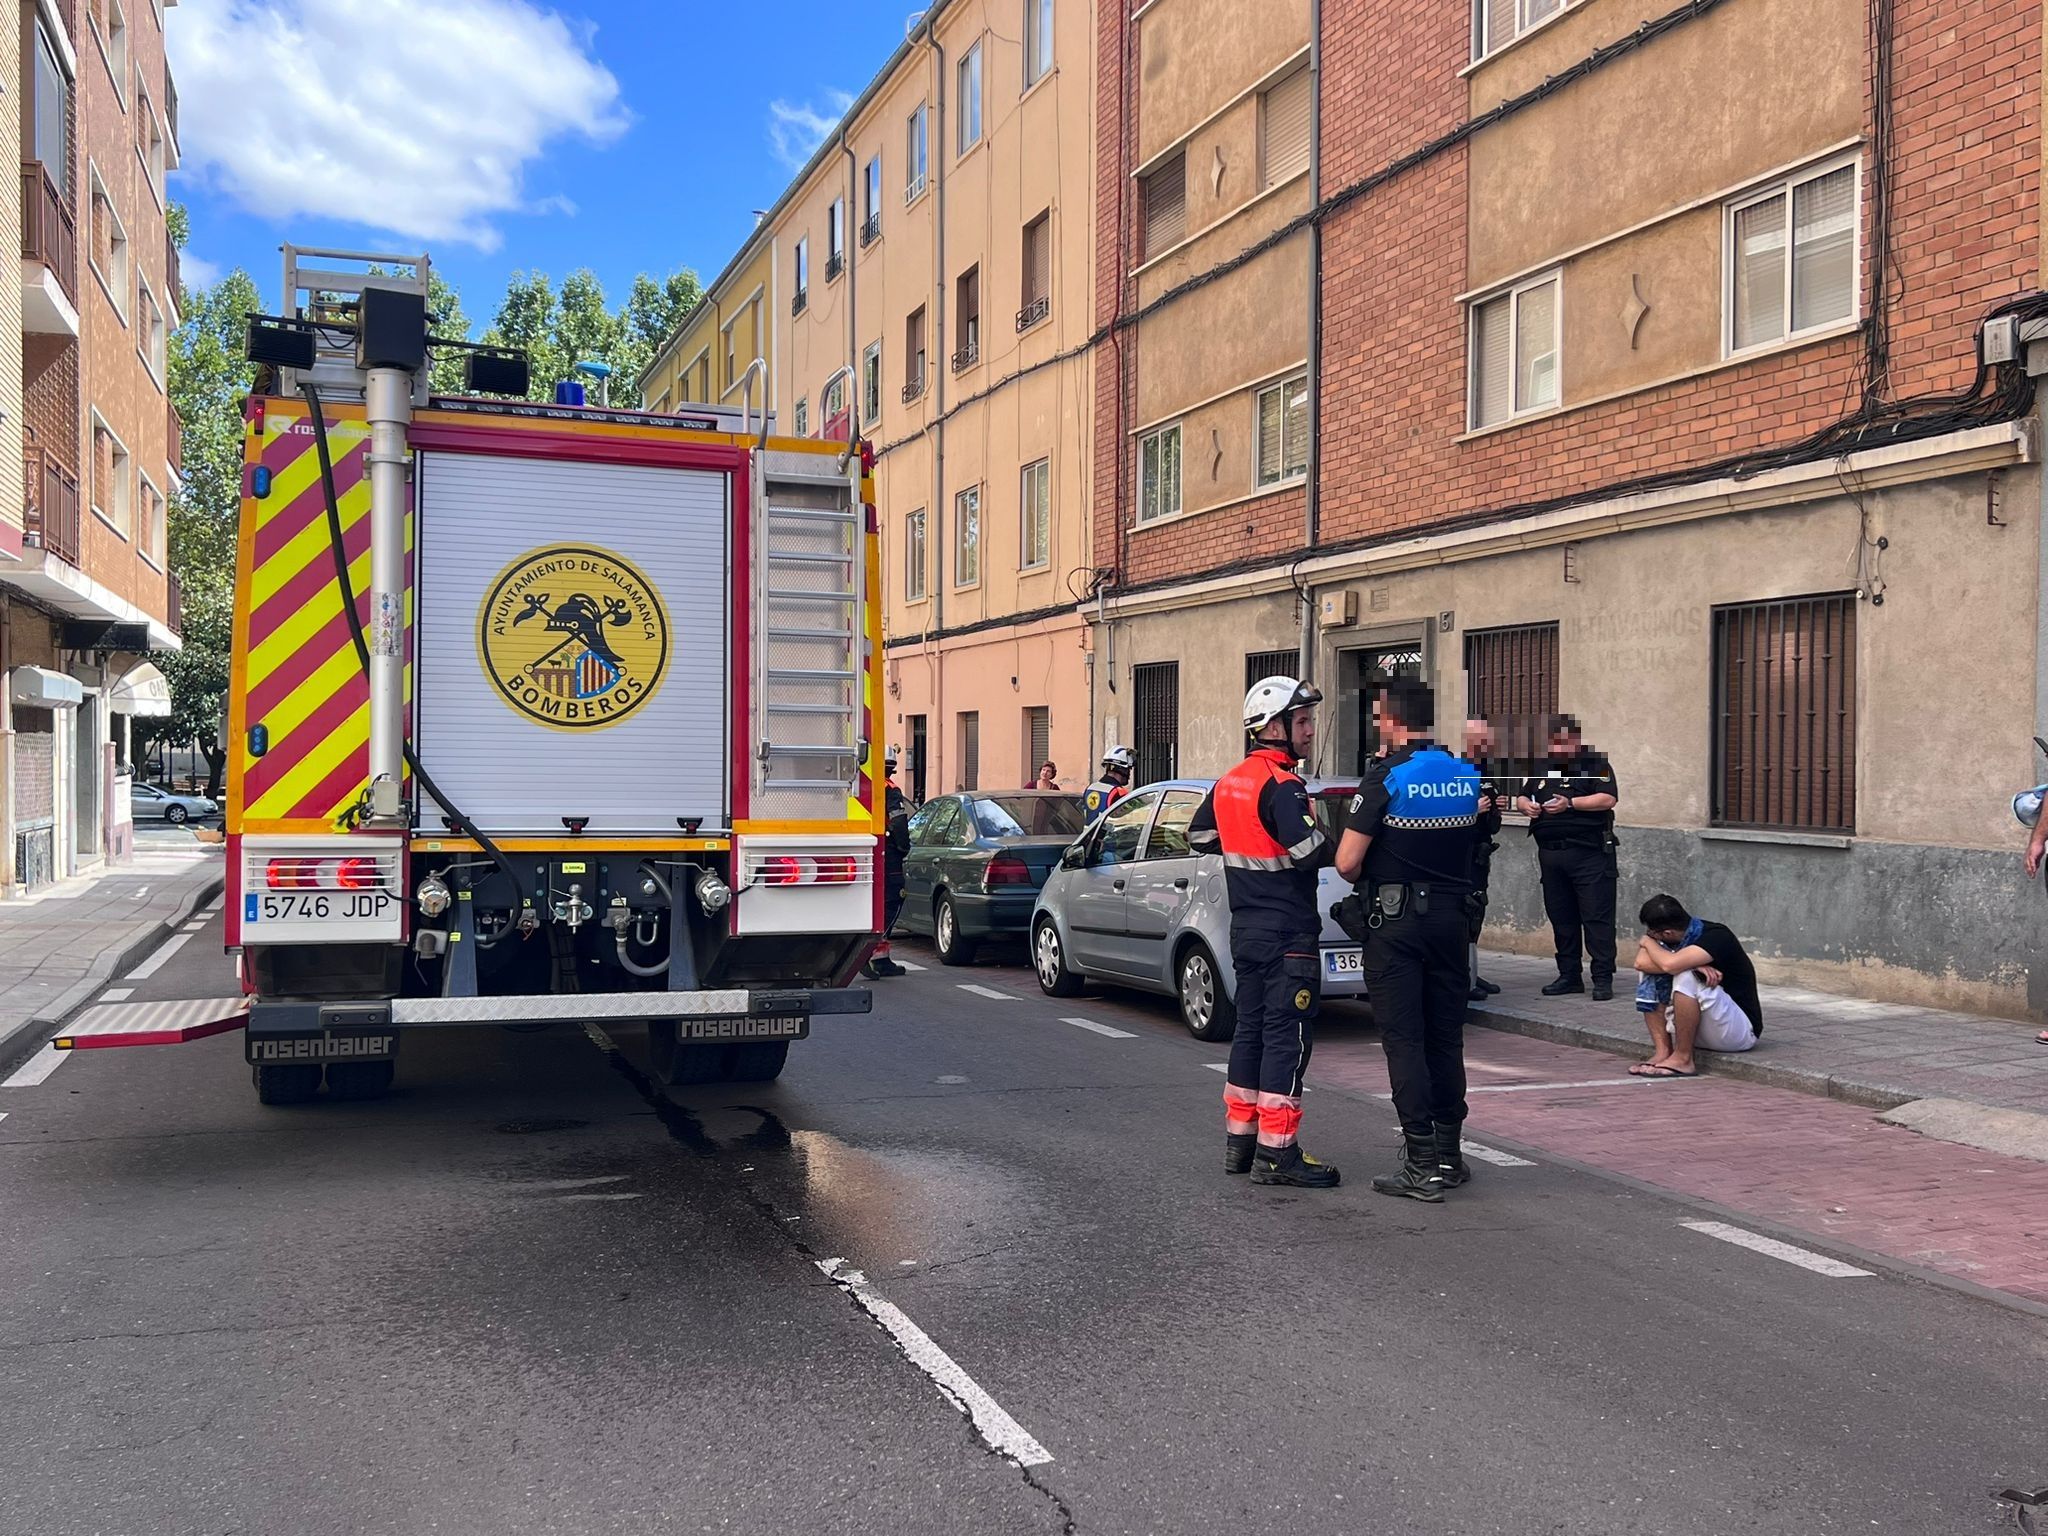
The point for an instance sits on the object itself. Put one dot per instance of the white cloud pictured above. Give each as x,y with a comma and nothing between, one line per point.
196,272
796,128
415,117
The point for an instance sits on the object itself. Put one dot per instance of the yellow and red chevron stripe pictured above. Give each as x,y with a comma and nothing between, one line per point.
296,673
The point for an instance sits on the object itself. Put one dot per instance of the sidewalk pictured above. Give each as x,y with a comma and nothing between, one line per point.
61,945
1876,1054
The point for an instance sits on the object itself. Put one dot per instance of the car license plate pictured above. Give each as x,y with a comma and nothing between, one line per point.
1341,963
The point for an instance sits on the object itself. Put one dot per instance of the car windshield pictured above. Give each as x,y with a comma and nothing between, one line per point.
1027,816
1333,808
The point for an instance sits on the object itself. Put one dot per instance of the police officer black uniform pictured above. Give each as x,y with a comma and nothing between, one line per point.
895,845
1408,844
1259,818
1571,817
1478,752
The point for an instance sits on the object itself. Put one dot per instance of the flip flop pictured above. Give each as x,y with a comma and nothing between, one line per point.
1645,1069
1663,1072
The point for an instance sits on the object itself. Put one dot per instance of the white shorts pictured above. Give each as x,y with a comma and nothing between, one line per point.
1723,1024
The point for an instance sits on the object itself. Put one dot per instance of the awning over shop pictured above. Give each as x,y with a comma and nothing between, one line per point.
38,688
143,691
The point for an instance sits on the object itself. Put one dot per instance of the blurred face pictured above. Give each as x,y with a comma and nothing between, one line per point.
1563,743
1668,937
1478,738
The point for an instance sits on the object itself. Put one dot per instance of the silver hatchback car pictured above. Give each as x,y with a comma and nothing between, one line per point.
1132,904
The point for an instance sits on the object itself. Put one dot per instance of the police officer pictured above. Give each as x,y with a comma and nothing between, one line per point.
1258,817
1408,845
1570,808
1118,764
895,844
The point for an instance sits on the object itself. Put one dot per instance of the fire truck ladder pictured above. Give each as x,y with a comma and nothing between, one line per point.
810,591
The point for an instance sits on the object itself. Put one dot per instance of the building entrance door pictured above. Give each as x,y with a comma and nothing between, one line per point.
1361,672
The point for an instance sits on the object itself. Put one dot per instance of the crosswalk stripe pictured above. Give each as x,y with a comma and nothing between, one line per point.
988,992
36,1068
1100,1029
1756,1242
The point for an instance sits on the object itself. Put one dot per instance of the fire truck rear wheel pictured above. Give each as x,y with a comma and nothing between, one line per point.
678,1064
759,1062
359,1079
285,1085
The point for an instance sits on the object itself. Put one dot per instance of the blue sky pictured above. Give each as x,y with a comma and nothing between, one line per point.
622,135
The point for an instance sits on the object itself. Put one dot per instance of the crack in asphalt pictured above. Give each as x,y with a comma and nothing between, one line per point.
166,1333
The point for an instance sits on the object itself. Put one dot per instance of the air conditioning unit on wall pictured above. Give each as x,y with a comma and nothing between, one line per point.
1339,609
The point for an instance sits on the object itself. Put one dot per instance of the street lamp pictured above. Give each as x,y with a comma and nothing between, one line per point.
602,372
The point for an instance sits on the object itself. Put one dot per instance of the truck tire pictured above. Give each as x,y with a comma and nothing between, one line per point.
358,1080
759,1061
678,1064
952,947
285,1085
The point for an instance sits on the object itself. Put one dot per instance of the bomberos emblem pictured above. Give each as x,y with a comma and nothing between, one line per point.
573,636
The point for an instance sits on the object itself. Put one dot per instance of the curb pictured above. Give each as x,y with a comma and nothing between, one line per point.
1745,1067
105,967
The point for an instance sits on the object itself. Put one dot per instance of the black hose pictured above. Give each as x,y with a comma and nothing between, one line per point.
462,823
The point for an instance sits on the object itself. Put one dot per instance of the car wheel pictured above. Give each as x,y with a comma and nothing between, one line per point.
1207,1012
176,815
678,1064
946,938
760,1061
1049,959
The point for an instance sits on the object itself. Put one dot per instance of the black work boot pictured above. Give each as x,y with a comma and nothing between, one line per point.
1291,1165
1603,991
1237,1151
1418,1177
1562,985
1450,1160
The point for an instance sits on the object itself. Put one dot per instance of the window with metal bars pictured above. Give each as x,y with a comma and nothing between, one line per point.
1155,720
1259,665
1037,741
1511,673
1785,714
970,750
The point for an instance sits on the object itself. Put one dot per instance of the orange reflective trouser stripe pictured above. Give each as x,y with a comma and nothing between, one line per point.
1240,1110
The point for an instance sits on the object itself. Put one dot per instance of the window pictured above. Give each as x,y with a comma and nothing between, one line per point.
1771,297
1260,665
704,376
1511,674
833,408
149,143
968,112
967,318
967,537
803,418
1123,829
109,250
970,749
1785,714
1037,741
1035,513
150,538
914,147
871,203
913,355
801,277
1283,130
1283,431
732,356
942,824
1166,206
1155,716
1168,838
913,556
1514,352
113,479
149,331
1496,23
1037,272
1037,41
112,25
835,239
52,114
1159,474
871,384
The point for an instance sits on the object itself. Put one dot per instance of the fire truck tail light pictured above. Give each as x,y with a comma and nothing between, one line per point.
783,869
356,874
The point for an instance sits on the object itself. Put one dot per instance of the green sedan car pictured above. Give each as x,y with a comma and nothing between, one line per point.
976,863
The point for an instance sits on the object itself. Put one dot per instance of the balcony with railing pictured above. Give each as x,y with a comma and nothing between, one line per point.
174,443
51,522
871,229
967,355
834,265
913,387
174,280
1033,312
174,604
49,237
171,110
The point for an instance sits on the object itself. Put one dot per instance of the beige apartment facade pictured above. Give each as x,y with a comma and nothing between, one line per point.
88,595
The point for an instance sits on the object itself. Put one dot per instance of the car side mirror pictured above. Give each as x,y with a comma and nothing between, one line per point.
1074,856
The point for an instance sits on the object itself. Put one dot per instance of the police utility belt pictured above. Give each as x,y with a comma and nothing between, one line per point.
1389,900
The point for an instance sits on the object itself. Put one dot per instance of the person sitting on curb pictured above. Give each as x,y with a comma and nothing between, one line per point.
1701,971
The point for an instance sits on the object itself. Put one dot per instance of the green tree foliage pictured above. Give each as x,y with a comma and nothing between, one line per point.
557,329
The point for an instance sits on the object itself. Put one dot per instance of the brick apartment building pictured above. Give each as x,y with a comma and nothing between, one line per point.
88,439
1568,246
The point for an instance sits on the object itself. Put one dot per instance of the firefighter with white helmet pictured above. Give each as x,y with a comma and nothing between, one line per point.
895,844
1118,764
1259,818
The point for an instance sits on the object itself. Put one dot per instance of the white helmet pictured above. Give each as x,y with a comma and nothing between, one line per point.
1120,757
1272,697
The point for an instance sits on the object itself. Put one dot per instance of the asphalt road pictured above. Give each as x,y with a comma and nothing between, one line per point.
528,1292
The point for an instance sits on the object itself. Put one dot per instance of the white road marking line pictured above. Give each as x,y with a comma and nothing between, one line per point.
36,1068
3,1114
560,1199
1217,1066
989,992
117,994
1001,1433
1495,1156
212,911
155,962
1756,1242
195,927
1100,1029
910,965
